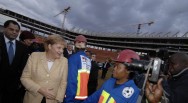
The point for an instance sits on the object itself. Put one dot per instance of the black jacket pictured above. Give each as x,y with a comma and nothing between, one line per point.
179,88
93,73
10,74
93,78
107,66
66,54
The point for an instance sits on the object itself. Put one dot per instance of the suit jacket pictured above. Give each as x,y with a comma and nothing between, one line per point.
93,72
10,73
66,54
11,88
93,78
36,75
107,66
0,53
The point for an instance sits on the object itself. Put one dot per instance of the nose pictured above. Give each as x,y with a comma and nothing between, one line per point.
15,31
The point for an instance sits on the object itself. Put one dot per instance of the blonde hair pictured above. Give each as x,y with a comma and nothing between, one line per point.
53,39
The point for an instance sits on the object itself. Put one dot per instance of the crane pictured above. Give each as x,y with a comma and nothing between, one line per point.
146,23
65,11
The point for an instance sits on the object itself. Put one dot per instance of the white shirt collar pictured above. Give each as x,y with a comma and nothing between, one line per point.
69,52
7,40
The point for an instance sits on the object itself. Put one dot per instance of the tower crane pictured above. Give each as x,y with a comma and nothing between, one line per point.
65,11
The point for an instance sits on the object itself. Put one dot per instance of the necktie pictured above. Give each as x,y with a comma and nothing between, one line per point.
10,52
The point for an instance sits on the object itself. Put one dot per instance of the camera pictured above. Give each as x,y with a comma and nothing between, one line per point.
151,69
156,67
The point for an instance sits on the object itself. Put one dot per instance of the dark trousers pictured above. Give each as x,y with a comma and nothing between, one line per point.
43,100
91,90
104,71
11,97
74,101
92,86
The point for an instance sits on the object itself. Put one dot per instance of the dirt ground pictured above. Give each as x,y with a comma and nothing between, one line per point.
108,75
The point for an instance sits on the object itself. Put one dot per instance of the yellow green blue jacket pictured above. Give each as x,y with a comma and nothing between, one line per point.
108,93
79,66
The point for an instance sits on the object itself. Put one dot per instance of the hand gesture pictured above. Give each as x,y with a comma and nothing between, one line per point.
47,93
154,91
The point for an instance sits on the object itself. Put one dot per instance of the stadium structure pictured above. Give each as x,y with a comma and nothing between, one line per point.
142,42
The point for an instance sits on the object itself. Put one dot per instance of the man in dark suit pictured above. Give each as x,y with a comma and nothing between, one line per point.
14,58
68,50
105,68
0,54
93,77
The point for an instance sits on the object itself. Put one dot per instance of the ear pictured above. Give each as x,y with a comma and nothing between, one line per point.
126,70
49,46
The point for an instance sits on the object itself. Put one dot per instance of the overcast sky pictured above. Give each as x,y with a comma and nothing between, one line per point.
107,15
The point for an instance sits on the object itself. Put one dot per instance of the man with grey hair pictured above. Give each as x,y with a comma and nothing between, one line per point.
68,51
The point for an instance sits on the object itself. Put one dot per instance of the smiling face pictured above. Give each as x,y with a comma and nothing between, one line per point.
11,31
56,50
54,46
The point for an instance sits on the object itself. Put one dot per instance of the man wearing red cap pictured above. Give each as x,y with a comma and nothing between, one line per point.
79,66
121,88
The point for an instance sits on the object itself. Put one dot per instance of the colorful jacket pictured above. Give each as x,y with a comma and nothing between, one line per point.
124,93
79,66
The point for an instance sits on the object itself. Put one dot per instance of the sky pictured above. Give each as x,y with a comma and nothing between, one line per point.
107,15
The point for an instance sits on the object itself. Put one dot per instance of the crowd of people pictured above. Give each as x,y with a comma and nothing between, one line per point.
57,72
